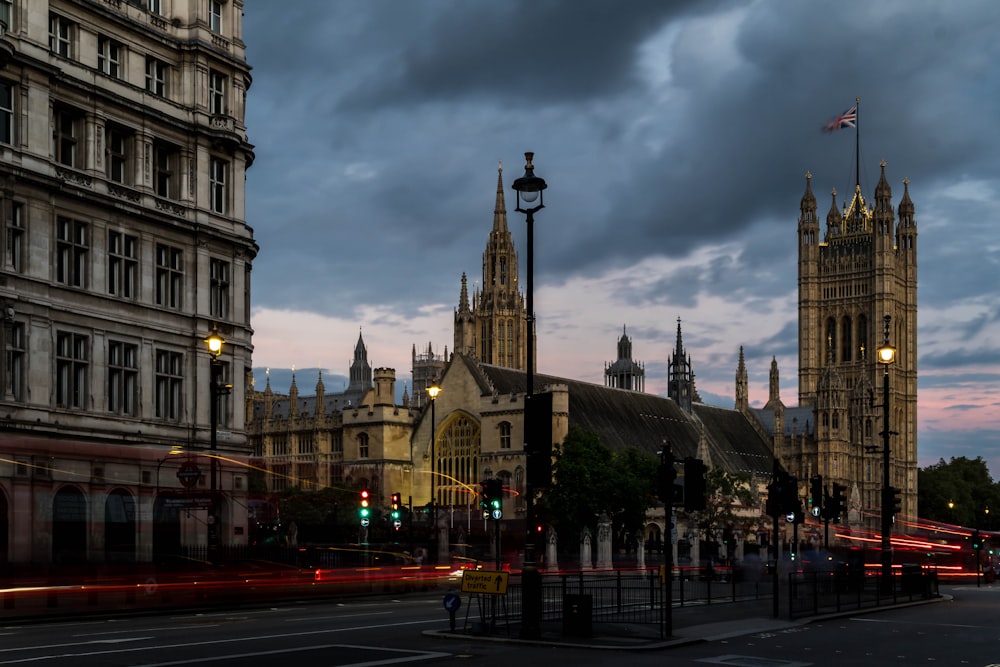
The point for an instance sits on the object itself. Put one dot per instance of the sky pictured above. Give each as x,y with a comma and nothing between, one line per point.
674,138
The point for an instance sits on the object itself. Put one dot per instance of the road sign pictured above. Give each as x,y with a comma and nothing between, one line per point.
486,582
188,474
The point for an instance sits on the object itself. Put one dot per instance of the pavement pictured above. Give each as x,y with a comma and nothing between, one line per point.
691,624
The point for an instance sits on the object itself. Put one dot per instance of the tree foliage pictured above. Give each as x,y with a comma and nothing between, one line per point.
966,485
727,493
590,480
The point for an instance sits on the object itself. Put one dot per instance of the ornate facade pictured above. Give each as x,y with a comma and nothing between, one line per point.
123,153
855,275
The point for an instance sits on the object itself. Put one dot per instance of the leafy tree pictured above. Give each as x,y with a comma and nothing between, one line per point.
319,515
959,491
590,480
727,494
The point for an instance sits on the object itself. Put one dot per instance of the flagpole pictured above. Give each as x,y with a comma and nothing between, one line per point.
857,142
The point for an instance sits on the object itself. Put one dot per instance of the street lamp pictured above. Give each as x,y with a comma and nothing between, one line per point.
432,392
886,356
214,343
530,188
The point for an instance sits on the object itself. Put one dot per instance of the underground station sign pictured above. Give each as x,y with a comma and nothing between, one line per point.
485,582
188,474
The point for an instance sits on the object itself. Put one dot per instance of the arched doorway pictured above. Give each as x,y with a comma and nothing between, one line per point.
69,526
119,527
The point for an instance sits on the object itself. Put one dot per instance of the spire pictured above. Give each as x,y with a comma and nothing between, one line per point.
463,298
742,384
883,194
833,218
906,210
320,408
807,205
500,210
773,386
293,397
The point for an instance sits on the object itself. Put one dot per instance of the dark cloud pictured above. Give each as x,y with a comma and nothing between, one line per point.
664,129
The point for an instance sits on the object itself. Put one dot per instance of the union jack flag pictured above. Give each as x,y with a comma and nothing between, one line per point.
847,119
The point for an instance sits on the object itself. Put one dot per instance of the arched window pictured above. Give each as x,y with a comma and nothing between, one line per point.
458,449
831,337
846,344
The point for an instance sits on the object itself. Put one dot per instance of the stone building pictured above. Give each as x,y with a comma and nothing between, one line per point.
625,372
857,289
123,154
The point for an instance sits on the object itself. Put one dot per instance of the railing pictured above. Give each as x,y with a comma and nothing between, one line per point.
814,593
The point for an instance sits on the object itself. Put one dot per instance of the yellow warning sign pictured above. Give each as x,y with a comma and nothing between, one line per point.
485,582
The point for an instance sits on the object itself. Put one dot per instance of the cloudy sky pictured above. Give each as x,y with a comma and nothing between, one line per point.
674,138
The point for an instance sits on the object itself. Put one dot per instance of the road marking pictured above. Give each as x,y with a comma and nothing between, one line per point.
413,656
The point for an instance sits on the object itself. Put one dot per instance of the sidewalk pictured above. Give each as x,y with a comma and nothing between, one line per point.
691,624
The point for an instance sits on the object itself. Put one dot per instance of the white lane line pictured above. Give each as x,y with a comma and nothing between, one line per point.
201,643
412,656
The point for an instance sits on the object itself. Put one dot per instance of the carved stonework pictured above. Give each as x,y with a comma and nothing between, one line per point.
123,192
73,177
170,207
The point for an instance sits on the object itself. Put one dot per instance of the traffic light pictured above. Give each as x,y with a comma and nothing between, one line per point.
896,496
394,511
790,497
976,542
816,494
364,507
694,484
492,502
838,502
666,474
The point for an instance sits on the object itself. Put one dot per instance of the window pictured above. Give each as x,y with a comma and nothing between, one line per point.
6,113
71,252
123,265
118,143
71,370
164,167
504,435
61,35
15,360
169,272
155,6
219,289
5,14
169,366
15,238
217,93
156,76
215,15
68,132
217,184
362,445
123,378
109,56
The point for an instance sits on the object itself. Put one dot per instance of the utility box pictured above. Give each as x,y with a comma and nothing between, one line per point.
578,615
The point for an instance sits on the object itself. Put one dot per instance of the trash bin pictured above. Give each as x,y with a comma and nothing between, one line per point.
912,576
578,615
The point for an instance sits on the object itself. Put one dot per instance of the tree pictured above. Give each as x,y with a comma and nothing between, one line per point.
966,485
590,479
727,493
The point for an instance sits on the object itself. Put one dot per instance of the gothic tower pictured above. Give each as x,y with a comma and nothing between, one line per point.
493,328
625,372
859,271
680,375
361,370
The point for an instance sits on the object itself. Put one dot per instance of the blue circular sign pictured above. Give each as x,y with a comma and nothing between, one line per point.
452,602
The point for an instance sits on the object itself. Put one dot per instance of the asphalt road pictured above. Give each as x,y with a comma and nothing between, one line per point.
384,631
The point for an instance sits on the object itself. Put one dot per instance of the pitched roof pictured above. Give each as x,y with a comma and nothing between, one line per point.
623,419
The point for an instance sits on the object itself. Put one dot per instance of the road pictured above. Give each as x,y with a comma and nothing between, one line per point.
385,631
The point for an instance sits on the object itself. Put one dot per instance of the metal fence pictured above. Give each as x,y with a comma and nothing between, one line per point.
814,593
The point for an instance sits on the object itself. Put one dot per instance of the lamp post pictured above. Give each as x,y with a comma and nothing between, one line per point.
214,343
529,188
886,356
432,392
